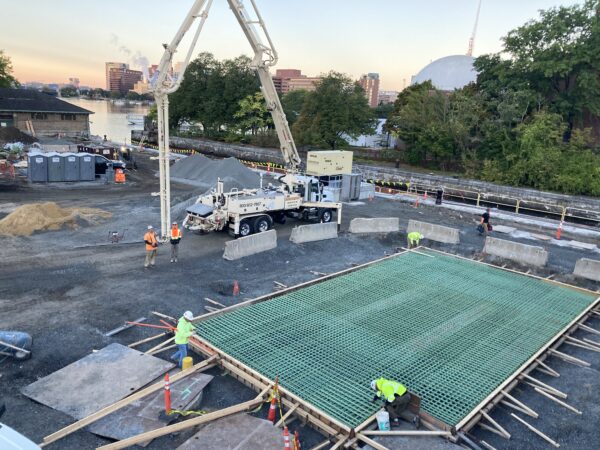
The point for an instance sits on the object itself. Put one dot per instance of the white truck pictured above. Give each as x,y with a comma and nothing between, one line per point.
245,211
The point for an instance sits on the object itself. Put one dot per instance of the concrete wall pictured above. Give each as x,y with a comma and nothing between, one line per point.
587,268
521,253
54,125
434,232
314,232
376,225
250,245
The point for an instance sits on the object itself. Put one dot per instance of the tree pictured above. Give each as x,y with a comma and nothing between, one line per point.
383,110
292,104
69,91
252,114
336,108
6,78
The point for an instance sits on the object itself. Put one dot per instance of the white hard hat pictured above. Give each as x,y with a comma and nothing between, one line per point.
174,223
149,227
188,315
373,384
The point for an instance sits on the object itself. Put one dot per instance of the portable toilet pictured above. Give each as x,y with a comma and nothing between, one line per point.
87,167
71,163
37,167
56,167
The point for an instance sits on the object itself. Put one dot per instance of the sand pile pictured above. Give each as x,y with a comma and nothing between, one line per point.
203,171
27,219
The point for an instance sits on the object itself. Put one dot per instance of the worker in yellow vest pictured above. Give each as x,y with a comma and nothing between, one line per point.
151,246
396,398
414,238
184,330
175,238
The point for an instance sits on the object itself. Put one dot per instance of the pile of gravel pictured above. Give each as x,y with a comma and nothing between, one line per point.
201,171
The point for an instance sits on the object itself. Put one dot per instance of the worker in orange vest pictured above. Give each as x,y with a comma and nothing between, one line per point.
151,246
175,238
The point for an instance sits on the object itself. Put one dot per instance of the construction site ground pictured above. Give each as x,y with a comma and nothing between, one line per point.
67,288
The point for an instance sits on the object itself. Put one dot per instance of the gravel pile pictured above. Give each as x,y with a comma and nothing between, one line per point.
204,172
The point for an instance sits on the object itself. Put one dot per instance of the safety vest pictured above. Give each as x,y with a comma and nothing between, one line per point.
415,237
184,331
150,237
389,389
175,235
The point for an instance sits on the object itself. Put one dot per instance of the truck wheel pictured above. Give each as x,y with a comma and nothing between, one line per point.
245,228
325,215
262,224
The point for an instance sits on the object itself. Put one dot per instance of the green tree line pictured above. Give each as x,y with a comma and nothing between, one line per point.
532,117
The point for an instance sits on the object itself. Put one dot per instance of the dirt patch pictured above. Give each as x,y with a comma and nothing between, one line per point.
12,134
32,217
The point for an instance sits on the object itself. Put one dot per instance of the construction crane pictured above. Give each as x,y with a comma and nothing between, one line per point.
299,195
472,39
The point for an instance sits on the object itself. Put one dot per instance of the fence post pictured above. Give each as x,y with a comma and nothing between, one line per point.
564,213
517,207
478,198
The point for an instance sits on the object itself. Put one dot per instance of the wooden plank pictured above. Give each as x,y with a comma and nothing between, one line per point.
406,433
322,445
536,431
214,302
124,327
569,358
286,415
211,308
366,423
549,369
554,399
339,443
162,344
126,401
370,442
487,446
187,423
491,429
148,339
546,386
164,316
589,329
6,344
496,424
163,349
522,405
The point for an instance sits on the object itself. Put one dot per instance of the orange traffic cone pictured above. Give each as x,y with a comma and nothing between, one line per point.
417,202
286,439
296,440
167,394
272,410
236,288
559,231
425,196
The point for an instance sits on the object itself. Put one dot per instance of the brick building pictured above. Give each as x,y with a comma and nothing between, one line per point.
370,84
123,80
41,114
287,80
113,65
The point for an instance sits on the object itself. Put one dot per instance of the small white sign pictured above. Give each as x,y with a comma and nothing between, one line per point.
39,160
55,159
87,158
71,159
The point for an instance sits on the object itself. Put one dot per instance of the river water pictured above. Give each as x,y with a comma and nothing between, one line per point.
110,119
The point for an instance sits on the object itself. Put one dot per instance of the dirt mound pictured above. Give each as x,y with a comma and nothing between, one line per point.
12,134
205,171
27,219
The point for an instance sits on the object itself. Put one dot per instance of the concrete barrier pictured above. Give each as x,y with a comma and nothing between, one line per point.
587,268
250,245
376,225
521,253
434,232
315,232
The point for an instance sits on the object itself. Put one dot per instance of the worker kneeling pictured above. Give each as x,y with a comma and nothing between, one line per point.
396,398
414,238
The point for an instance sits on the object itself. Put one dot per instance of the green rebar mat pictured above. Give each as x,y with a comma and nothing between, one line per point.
451,330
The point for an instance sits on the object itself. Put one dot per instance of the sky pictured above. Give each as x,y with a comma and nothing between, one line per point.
50,41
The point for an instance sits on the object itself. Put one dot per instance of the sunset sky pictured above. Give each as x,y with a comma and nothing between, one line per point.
50,41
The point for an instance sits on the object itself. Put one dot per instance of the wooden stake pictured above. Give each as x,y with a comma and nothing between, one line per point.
126,401
162,344
405,433
210,308
595,347
491,429
214,302
370,442
589,329
322,445
550,370
163,349
164,316
522,405
187,423
151,338
569,358
591,342
536,431
281,285
569,407
339,443
286,415
546,387
486,445
496,424
585,347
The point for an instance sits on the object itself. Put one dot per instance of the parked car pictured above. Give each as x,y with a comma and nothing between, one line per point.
11,439
102,163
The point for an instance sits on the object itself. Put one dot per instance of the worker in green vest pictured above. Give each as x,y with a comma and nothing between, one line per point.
182,335
414,238
396,398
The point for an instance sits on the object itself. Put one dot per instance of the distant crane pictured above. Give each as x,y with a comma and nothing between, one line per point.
472,39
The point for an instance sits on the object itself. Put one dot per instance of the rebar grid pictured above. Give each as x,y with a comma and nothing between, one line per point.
450,330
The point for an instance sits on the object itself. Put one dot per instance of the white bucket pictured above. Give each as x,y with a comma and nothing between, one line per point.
383,421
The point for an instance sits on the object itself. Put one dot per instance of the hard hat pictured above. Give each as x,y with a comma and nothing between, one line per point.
174,223
149,227
188,315
373,384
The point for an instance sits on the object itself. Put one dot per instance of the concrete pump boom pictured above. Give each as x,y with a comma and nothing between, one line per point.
265,56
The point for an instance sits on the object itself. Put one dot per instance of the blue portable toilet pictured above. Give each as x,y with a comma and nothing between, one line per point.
71,165
37,167
87,167
56,167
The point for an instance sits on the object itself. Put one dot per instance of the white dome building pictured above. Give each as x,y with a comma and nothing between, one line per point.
448,73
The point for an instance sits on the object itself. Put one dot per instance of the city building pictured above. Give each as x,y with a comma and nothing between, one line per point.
74,82
41,114
287,80
113,65
370,84
387,97
123,80
448,73
141,87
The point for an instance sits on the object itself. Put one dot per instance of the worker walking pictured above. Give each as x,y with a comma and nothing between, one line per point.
184,330
396,398
414,238
151,246
175,238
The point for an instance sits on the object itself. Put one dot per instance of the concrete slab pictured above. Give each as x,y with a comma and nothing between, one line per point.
250,245
521,253
236,432
434,232
582,245
587,268
143,414
315,232
375,225
504,229
97,380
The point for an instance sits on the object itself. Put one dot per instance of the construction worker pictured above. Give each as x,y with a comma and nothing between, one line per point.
184,330
396,398
151,246
413,239
484,223
175,238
